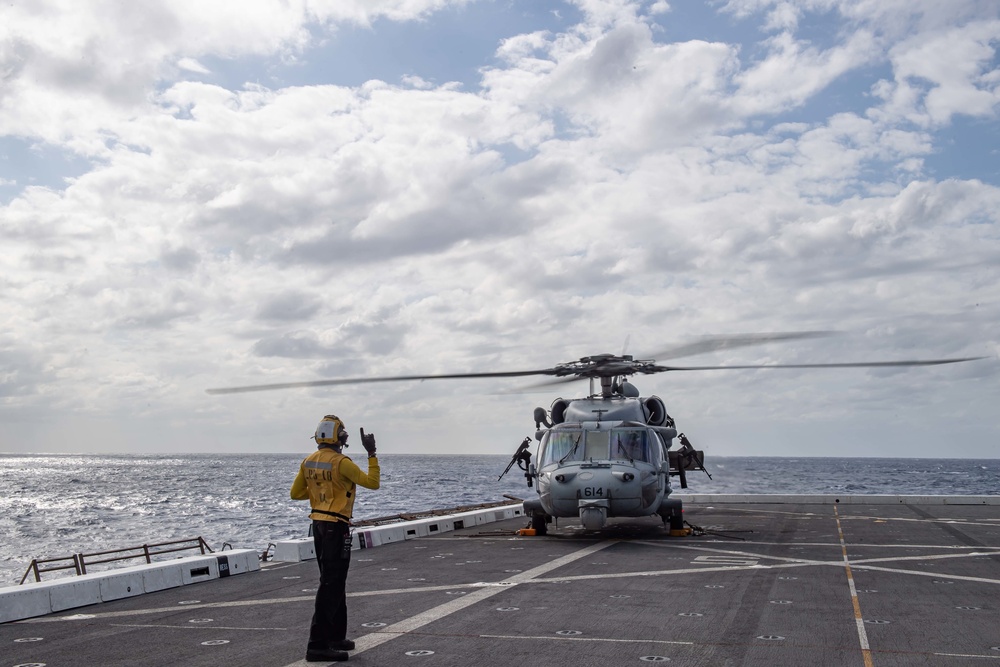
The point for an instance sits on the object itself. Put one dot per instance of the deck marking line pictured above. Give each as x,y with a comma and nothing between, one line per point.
867,545
186,627
893,559
936,575
866,651
168,610
810,515
373,639
590,639
749,554
664,573
966,655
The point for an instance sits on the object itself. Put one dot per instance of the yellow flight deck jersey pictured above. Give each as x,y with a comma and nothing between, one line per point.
328,480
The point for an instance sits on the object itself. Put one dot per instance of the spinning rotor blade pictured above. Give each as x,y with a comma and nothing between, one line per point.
713,343
549,383
850,364
369,380
608,366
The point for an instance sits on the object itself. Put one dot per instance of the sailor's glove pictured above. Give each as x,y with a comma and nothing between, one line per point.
368,442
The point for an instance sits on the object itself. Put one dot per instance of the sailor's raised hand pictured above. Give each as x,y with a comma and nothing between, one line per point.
368,442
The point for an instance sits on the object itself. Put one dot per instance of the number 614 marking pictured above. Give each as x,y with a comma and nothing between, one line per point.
593,491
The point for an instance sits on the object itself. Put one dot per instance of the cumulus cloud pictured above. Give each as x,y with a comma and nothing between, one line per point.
945,73
602,181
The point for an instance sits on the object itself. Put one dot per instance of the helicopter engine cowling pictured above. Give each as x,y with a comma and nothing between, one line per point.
558,410
656,411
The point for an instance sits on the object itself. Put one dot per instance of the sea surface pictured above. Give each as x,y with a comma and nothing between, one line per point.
58,505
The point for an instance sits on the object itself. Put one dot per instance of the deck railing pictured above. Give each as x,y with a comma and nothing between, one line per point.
79,562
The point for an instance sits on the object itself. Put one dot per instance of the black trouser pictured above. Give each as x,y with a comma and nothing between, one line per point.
329,621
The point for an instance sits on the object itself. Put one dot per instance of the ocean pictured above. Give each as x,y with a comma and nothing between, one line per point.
57,505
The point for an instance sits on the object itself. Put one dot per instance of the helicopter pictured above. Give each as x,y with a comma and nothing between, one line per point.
610,453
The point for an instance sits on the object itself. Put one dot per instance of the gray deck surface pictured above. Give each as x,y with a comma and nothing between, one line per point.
927,581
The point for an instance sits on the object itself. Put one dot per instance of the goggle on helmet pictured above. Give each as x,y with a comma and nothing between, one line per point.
328,431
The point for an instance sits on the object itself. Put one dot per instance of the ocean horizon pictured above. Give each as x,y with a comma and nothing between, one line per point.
61,504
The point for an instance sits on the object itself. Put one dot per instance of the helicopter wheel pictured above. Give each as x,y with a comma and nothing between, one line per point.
539,524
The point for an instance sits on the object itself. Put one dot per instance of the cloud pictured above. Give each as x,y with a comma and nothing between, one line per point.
604,181
793,72
941,74
74,72
289,306
192,65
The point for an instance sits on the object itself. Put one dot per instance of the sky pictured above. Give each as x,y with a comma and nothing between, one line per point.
214,194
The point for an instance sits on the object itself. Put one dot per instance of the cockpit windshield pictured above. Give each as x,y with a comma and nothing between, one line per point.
621,444
630,444
562,446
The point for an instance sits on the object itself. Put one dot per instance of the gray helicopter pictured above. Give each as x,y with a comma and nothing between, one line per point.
606,455
610,454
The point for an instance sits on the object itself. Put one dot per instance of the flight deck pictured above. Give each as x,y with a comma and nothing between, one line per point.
769,582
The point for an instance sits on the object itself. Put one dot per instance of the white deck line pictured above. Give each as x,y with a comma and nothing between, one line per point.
866,652
833,499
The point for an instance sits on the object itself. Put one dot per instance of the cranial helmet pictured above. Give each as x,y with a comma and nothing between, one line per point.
328,431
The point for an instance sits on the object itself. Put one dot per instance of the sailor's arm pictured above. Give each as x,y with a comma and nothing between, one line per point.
369,480
299,489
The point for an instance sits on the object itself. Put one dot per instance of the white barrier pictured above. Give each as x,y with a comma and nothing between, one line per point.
160,576
295,551
443,524
476,518
72,592
429,527
416,529
380,535
199,568
46,597
17,602
237,561
123,583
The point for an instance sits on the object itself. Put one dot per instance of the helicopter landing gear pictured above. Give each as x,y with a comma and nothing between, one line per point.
539,522
677,528
672,512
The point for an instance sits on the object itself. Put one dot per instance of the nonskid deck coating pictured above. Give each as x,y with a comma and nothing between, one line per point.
774,584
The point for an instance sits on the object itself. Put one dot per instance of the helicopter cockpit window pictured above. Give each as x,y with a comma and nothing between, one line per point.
614,444
630,444
597,445
562,446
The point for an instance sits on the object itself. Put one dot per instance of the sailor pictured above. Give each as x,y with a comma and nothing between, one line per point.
328,479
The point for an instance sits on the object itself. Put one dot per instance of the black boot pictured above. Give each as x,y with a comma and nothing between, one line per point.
325,655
